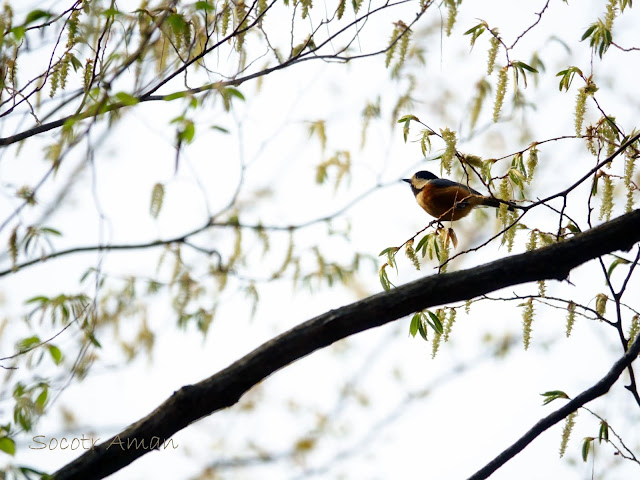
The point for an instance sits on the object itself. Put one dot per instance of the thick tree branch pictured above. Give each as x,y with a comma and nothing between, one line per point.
225,388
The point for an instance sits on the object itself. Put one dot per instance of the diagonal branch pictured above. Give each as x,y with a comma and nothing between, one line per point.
184,238
597,390
224,389
148,97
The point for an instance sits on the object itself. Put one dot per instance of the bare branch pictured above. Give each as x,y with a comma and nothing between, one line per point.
597,390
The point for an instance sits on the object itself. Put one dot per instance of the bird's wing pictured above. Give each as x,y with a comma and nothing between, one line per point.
444,182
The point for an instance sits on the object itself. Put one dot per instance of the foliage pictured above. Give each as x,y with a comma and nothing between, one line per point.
82,83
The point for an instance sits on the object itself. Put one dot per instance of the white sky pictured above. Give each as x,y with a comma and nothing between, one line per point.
468,417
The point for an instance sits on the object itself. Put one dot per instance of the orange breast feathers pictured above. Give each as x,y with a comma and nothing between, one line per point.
448,203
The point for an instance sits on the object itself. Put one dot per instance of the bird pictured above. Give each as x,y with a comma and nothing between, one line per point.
447,200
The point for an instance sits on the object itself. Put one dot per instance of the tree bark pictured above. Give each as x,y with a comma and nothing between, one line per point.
225,388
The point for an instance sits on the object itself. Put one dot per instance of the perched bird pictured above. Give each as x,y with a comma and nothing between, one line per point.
447,200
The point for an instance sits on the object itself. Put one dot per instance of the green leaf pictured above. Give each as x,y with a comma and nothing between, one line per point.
589,31
517,177
524,66
219,128
174,96
7,445
177,22
573,228
435,322
405,131
415,324
18,33
520,68
234,92
422,245
36,15
42,475
615,263
407,118
110,12
56,354
603,434
476,31
422,329
27,343
50,231
384,279
425,142
567,77
38,299
386,251
436,248
41,400
188,132
94,341
585,448
206,6
127,99
77,64
552,395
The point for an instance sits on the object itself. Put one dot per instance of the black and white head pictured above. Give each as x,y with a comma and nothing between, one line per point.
419,180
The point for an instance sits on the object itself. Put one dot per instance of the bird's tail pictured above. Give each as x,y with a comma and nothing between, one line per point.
496,202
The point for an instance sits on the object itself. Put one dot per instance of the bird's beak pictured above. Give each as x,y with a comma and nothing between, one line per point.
408,180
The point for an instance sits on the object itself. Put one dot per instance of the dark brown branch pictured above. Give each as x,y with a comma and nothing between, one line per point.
585,397
629,49
531,26
184,238
148,97
224,389
587,175
105,248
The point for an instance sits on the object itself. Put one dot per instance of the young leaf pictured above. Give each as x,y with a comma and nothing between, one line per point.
476,31
603,434
26,343
387,251
407,118
615,263
552,395
586,444
234,92
187,133
219,128
520,68
7,445
415,324
127,99
384,278
205,6
36,15
422,245
422,327
56,354
174,96
567,77
435,322
41,399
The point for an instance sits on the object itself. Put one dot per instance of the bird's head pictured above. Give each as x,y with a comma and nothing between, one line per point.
419,180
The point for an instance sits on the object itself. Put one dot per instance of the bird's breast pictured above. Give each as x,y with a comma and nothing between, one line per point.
447,203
